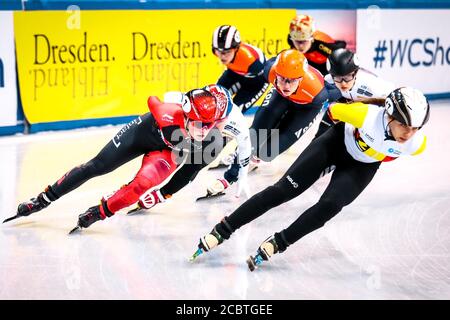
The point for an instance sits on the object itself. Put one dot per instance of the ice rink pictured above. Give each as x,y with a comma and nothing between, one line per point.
393,242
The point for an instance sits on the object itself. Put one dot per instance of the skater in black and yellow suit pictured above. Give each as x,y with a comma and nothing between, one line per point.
367,136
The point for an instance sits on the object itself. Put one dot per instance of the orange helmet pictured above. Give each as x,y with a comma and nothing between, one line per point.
302,28
291,64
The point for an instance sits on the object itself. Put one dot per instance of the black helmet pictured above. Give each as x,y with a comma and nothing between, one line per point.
226,37
342,62
408,106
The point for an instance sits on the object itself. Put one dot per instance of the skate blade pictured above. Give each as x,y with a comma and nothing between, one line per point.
251,263
196,254
75,230
11,218
131,212
209,196
220,166
253,169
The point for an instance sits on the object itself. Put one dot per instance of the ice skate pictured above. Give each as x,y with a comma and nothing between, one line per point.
215,189
86,219
33,205
210,196
267,249
208,242
136,210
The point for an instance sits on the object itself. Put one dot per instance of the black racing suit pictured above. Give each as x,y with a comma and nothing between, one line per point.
348,180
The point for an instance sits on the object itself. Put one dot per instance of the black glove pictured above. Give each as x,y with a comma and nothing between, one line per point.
232,174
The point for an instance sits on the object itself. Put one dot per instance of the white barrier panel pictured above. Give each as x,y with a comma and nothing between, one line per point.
8,88
408,47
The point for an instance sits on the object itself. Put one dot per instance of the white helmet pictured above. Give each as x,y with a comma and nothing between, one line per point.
408,106
226,37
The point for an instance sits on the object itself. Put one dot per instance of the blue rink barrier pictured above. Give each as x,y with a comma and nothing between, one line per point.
5,131
10,5
225,4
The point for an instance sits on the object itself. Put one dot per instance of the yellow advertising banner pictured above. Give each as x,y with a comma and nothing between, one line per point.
76,65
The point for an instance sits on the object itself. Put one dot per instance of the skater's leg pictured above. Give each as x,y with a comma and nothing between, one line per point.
267,118
130,142
346,184
350,178
195,162
291,128
156,167
299,177
134,139
188,168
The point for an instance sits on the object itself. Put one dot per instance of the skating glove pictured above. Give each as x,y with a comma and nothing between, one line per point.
150,198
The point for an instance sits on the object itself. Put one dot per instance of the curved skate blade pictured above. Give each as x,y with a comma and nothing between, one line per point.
219,166
210,196
196,254
11,218
251,263
75,230
137,209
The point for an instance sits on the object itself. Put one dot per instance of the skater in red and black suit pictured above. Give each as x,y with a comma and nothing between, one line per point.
314,44
168,133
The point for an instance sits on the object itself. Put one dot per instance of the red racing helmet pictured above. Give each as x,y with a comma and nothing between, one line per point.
200,105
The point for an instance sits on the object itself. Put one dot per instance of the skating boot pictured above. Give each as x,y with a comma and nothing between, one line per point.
267,249
89,217
215,189
33,205
208,242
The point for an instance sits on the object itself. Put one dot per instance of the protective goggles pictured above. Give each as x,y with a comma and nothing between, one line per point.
301,37
224,51
346,78
287,80
199,125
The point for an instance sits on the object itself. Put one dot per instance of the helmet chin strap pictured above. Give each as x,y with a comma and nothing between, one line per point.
186,125
387,130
